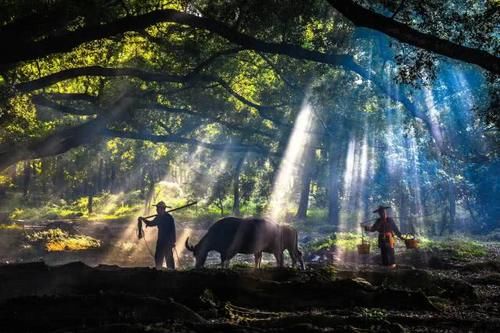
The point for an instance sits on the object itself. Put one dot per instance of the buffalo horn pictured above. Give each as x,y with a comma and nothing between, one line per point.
189,247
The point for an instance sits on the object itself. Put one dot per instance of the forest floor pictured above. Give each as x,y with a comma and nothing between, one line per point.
104,288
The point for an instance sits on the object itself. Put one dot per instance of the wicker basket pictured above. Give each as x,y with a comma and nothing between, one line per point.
411,243
364,248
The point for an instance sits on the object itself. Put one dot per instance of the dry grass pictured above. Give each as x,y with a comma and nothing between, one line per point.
58,240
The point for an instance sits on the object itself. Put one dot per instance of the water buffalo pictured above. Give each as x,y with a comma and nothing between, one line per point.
288,240
232,235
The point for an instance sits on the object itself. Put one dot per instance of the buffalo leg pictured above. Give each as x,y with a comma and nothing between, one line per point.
279,259
301,259
296,255
293,256
222,260
258,259
225,259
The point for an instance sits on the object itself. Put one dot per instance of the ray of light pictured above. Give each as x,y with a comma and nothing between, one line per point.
434,116
300,140
180,249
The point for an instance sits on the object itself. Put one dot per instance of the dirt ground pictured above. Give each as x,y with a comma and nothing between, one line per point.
112,289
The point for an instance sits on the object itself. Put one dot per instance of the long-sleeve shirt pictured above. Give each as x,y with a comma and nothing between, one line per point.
382,228
166,228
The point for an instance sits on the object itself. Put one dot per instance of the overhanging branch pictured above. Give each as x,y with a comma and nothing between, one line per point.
72,73
363,17
264,110
69,40
40,100
172,138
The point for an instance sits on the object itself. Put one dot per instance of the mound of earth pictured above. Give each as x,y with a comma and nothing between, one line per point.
79,298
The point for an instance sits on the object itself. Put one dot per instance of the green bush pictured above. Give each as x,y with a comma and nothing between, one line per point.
458,247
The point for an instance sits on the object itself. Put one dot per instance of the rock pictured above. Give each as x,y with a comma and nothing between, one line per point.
363,282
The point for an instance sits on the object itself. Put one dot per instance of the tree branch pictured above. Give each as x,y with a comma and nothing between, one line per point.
278,72
73,97
248,42
227,124
97,71
398,9
69,40
92,130
362,17
40,100
147,76
212,58
53,144
29,50
182,140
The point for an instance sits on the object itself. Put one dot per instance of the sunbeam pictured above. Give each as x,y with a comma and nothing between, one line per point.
300,140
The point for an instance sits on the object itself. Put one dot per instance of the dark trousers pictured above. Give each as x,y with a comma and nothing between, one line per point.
387,254
164,252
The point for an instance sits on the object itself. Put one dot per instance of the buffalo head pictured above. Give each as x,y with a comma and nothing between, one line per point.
198,252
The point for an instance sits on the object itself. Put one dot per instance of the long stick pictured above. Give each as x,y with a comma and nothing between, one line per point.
174,209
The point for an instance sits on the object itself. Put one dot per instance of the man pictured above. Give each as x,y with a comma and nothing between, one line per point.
386,229
166,235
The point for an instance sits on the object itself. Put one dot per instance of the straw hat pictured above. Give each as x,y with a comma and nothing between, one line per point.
162,204
381,208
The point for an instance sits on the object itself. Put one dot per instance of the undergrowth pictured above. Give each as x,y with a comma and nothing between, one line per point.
346,241
58,240
459,247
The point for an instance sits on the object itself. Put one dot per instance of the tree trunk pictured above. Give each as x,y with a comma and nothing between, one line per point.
335,160
306,184
26,179
112,177
221,207
43,176
471,211
100,177
150,192
58,179
444,222
452,200
236,186
107,179
406,224
90,203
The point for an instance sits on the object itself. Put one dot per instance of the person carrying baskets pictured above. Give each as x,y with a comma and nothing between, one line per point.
386,229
